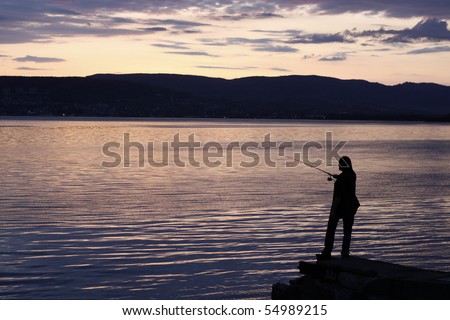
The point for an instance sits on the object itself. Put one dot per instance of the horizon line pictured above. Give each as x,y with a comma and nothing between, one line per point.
224,78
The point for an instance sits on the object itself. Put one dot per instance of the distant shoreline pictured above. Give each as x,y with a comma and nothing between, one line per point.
172,96
230,120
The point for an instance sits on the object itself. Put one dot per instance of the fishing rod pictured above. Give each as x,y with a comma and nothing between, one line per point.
330,175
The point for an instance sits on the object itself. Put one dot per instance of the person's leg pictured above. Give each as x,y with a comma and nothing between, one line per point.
348,226
329,237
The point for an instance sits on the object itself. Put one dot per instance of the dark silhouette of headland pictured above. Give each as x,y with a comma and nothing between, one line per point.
170,95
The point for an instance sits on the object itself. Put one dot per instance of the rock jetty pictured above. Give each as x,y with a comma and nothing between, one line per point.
358,278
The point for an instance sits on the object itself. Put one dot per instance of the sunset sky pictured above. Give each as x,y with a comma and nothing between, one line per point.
387,41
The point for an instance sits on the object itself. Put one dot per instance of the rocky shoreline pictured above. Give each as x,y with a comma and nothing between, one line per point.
357,279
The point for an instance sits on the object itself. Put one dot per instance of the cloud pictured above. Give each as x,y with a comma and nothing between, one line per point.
426,30
288,32
121,20
319,38
12,36
177,24
311,56
30,20
240,10
267,15
279,49
392,8
280,69
430,29
256,44
293,36
63,12
38,59
173,45
34,10
191,53
52,31
48,28
30,69
341,56
241,41
430,50
397,8
236,41
243,16
154,29
213,42
188,31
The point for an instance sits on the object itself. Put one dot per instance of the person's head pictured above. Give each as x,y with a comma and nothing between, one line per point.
345,163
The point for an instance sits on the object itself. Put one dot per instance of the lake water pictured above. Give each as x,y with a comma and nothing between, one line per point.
74,229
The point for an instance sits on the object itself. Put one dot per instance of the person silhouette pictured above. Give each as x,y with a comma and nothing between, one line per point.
344,205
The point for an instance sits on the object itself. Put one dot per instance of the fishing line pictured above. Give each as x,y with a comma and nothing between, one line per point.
330,175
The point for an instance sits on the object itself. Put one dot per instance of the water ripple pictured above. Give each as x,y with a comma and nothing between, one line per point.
74,230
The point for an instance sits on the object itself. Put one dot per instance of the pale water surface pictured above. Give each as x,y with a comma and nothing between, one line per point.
72,229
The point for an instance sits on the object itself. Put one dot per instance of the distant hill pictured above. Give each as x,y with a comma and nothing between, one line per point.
169,95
